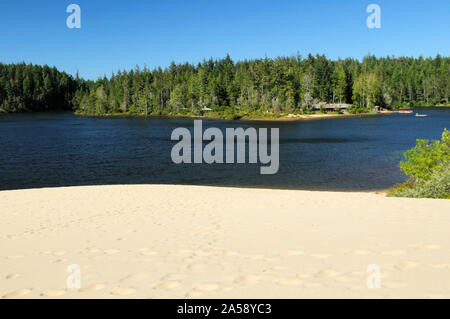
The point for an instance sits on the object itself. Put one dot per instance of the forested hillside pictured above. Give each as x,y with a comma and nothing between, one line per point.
26,88
287,84
282,84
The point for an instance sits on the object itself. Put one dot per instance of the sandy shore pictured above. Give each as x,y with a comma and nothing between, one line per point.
272,117
151,241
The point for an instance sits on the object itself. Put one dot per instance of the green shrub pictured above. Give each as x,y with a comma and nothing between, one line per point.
425,157
437,186
402,188
428,168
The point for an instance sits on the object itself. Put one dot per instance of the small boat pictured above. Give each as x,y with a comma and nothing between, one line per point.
405,111
421,115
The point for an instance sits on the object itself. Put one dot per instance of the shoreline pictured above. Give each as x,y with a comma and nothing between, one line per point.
174,241
286,118
380,191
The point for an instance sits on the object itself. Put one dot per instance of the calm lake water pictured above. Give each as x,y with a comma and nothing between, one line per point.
60,149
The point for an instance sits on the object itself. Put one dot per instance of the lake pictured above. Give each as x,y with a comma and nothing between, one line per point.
354,153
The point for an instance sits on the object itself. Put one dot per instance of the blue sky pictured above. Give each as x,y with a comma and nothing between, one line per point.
121,34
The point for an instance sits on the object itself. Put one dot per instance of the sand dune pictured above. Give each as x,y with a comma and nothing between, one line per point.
157,241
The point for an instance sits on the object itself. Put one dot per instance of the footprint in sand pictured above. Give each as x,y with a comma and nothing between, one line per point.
344,279
229,253
118,291
207,287
12,276
172,277
17,293
247,280
140,276
148,253
167,285
320,256
358,273
288,281
255,257
393,252
138,250
88,251
59,253
430,247
15,257
440,266
111,251
406,265
225,289
326,274
61,260
280,268
52,293
292,253
196,267
181,253
92,287
359,252
312,285
202,253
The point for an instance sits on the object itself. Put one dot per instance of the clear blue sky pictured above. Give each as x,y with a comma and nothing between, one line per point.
120,34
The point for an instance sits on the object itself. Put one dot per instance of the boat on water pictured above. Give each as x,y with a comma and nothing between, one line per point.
405,111
421,115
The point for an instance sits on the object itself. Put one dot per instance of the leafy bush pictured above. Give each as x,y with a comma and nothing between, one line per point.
428,168
426,157
402,188
358,110
437,186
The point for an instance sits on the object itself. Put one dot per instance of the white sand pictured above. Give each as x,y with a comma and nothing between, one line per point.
186,241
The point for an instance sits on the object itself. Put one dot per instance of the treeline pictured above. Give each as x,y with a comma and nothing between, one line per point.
284,84
26,88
